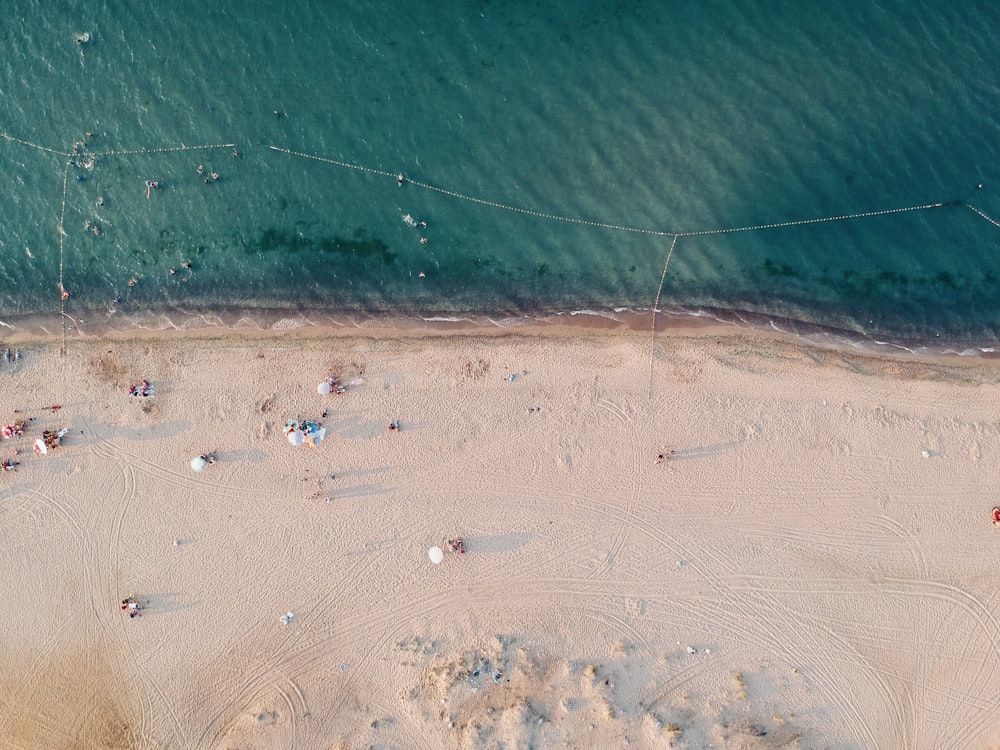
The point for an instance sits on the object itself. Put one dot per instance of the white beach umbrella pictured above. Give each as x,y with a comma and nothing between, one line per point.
296,437
324,388
198,463
436,554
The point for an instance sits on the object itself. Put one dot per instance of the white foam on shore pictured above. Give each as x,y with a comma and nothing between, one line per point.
92,324
608,314
287,324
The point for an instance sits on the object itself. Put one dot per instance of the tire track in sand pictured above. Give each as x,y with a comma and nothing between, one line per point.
109,590
305,657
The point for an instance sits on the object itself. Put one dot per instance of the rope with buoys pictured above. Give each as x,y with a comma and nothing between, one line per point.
29,144
992,221
401,179
160,150
539,214
821,220
326,160
656,308
63,294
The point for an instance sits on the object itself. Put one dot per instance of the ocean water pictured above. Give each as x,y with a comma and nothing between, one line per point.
672,117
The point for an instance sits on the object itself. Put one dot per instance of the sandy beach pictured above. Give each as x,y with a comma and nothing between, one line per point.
811,564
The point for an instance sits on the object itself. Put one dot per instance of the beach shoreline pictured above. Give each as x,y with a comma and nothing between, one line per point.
93,325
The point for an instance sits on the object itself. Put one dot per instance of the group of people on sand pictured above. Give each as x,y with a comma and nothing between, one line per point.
336,386
144,389
49,440
52,439
131,605
12,430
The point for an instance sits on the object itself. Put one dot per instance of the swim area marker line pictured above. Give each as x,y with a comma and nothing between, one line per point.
161,150
124,152
804,222
473,199
344,164
994,222
656,307
62,236
618,227
71,155
29,144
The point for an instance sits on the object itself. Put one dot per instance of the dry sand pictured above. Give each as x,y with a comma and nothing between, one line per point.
814,567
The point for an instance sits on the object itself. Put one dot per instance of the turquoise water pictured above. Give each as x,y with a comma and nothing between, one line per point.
669,116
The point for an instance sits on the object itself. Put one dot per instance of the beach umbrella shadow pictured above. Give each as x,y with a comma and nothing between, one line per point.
166,603
705,451
128,434
352,427
361,490
21,489
494,545
254,456
353,473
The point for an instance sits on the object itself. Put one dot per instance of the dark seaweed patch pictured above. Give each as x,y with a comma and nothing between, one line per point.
361,245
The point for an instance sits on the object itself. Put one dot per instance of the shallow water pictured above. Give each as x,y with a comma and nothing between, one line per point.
673,119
